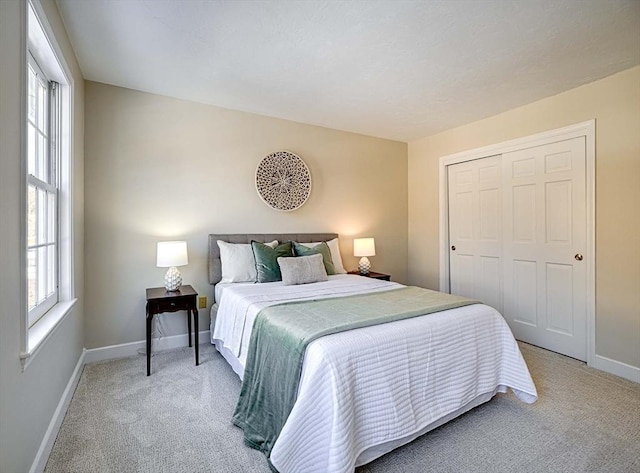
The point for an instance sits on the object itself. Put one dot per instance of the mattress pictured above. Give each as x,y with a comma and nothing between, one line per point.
366,391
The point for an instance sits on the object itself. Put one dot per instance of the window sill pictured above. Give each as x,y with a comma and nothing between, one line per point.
44,328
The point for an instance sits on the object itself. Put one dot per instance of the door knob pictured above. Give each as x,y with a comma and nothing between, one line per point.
453,247
578,257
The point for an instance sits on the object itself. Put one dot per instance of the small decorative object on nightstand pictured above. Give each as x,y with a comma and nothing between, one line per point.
171,254
374,275
160,300
364,247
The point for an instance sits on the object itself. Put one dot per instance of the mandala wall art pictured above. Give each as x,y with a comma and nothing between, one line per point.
283,181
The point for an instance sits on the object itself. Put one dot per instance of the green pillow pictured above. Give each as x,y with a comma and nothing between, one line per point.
321,249
267,260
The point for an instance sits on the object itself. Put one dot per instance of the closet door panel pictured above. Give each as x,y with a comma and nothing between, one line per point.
559,294
544,233
475,230
522,296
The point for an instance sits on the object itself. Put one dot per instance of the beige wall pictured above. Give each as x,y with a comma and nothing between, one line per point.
159,168
615,104
28,399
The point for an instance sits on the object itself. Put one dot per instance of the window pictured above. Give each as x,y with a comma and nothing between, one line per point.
42,193
47,203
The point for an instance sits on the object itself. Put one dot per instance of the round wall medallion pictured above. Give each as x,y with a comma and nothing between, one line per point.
283,181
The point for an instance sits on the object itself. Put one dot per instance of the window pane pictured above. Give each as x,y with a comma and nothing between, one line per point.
31,107
51,217
51,269
32,275
42,273
32,149
42,107
42,163
31,216
42,216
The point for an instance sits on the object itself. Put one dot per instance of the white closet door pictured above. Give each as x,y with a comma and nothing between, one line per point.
475,230
544,213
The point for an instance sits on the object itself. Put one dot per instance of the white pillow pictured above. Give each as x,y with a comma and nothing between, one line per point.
302,269
334,247
237,261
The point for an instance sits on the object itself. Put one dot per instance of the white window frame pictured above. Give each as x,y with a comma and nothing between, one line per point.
50,185
40,42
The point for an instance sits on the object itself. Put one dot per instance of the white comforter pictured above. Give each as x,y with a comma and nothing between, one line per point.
366,391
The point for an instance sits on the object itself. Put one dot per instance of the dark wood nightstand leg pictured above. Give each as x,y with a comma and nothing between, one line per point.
149,323
189,324
195,335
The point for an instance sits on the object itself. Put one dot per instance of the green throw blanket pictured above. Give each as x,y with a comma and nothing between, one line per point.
281,334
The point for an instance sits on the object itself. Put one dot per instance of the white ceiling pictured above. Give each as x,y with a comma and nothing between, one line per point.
394,69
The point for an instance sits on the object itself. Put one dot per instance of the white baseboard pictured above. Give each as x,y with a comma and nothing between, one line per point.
40,461
131,349
618,368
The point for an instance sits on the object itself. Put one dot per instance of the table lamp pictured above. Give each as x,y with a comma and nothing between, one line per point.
171,254
364,247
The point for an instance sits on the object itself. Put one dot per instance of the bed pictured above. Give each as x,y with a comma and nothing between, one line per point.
366,391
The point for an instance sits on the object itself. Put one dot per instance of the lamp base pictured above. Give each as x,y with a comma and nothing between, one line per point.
364,266
173,279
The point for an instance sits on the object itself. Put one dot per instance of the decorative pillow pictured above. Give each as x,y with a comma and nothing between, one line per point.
237,261
321,248
334,246
266,257
302,270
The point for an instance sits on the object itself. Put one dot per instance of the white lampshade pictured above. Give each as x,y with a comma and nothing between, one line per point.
172,253
364,247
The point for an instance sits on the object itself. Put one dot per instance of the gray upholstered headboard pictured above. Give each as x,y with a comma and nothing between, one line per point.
215,271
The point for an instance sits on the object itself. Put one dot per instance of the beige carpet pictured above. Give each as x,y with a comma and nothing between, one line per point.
177,420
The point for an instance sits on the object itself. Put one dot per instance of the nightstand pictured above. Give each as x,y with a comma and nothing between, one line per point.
159,300
374,275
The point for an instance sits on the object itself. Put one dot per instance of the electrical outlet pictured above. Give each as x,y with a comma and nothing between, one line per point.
202,302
